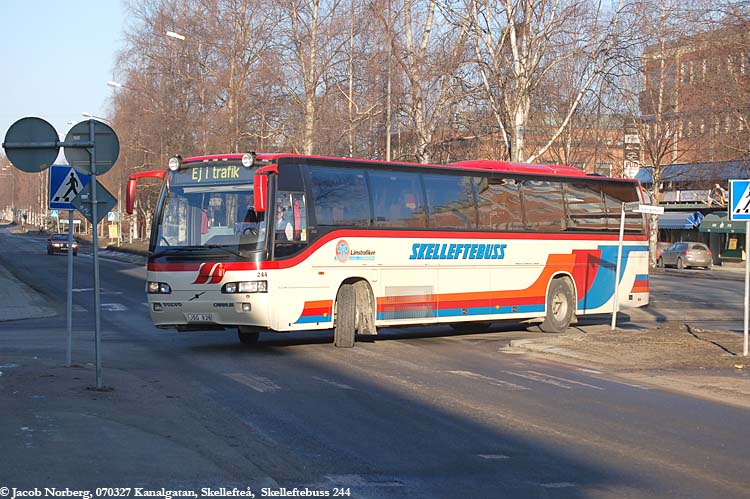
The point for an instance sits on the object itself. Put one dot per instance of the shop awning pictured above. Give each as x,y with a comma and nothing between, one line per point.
680,219
719,222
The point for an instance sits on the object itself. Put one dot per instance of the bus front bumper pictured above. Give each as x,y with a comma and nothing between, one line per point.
209,310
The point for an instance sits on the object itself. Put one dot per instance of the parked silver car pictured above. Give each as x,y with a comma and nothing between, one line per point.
686,254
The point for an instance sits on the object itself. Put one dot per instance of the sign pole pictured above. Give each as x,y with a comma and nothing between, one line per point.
69,321
97,311
747,283
616,296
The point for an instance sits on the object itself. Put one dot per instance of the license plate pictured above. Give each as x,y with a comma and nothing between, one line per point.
200,317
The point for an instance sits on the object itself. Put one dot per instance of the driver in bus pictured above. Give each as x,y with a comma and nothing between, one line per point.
284,229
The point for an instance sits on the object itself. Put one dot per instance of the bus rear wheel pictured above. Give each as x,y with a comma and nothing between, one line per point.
346,317
560,306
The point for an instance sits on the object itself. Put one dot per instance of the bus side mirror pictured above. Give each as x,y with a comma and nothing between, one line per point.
130,189
130,196
260,188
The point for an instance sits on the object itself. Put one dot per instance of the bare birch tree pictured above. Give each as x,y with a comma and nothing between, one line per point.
518,43
430,54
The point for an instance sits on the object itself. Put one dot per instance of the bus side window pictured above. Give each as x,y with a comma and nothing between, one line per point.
339,196
614,195
399,202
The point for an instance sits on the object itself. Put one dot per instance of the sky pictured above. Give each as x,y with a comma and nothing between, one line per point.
56,57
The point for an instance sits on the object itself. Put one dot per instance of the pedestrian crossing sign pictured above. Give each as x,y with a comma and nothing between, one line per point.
739,200
64,185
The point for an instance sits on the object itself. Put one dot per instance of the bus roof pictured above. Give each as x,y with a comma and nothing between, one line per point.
486,165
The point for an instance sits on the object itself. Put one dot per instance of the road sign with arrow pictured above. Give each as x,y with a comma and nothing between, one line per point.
104,199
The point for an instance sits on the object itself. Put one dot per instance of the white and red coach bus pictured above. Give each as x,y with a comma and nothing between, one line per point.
283,242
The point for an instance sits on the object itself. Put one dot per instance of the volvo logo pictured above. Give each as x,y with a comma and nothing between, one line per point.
197,295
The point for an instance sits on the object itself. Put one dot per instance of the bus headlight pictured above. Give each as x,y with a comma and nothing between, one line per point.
158,288
245,287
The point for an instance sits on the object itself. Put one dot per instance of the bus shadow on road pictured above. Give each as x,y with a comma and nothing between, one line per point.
501,332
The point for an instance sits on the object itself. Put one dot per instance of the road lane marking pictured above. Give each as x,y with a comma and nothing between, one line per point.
257,383
541,378
557,485
101,291
493,456
565,380
114,307
333,383
623,383
592,371
492,381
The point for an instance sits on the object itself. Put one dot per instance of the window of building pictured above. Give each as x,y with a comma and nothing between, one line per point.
684,71
604,169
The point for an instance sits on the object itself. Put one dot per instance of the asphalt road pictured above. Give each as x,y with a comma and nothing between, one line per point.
415,413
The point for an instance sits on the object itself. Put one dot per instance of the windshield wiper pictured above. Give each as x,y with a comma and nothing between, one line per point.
177,249
223,248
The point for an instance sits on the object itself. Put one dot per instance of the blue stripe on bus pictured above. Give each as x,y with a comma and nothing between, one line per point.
603,286
313,319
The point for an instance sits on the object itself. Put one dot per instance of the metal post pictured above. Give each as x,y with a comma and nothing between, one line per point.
69,321
95,221
747,283
119,213
616,297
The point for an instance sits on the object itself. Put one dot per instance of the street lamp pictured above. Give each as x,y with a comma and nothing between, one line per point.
176,36
89,115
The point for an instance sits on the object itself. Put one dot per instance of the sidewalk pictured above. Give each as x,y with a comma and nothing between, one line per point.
673,356
19,301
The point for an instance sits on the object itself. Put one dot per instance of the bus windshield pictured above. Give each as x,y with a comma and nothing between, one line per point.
212,217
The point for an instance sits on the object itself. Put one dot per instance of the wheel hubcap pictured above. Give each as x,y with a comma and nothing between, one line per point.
559,306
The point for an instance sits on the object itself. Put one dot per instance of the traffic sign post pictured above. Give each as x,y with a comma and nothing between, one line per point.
32,145
635,207
739,210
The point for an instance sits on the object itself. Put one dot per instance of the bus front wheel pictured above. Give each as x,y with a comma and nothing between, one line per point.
560,306
346,317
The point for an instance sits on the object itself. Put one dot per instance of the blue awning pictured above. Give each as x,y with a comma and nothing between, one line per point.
680,219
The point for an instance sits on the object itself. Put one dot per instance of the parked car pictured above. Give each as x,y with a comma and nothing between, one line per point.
686,254
58,243
660,247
